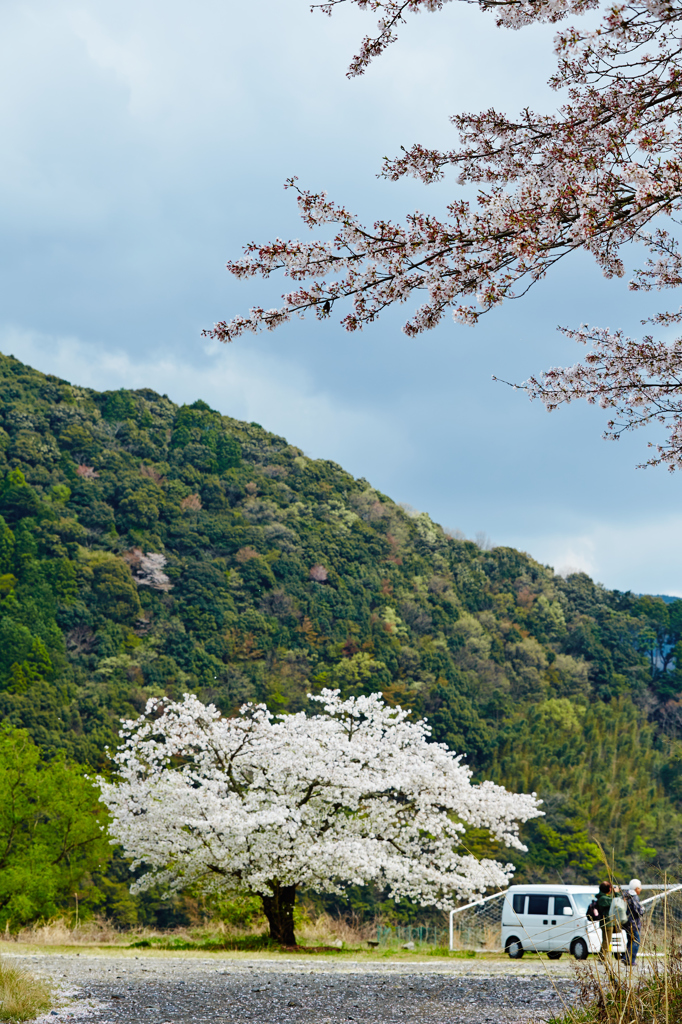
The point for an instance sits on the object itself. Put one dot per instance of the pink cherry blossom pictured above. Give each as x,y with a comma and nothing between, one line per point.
593,176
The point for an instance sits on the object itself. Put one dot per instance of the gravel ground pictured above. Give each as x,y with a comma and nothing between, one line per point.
111,989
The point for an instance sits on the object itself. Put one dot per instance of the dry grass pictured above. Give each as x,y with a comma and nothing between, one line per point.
322,930
614,993
311,930
325,930
22,996
60,932
485,938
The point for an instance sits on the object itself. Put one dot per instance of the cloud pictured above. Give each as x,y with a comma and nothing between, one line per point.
623,556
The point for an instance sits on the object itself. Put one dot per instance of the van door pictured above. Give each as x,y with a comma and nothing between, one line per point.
514,912
563,922
513,919
537,927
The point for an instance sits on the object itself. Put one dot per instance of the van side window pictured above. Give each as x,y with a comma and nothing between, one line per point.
561,902
518,900
538,904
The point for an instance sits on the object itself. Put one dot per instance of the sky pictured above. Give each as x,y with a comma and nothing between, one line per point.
145,142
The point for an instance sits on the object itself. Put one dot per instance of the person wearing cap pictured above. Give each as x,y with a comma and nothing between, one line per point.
633,925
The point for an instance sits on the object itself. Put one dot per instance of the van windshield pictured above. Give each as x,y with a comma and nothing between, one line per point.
582,900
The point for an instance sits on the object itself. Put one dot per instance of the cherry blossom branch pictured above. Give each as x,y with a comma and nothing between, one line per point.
513,13
483,254
592,176
640,380
393,15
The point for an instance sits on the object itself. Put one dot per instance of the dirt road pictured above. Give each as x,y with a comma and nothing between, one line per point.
116,989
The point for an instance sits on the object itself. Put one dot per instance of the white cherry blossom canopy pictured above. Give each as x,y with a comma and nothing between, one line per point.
355,794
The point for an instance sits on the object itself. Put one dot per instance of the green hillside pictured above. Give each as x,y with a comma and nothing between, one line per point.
149,549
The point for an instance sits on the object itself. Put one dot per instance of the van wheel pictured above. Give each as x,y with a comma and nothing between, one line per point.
555,954
579,949
514,948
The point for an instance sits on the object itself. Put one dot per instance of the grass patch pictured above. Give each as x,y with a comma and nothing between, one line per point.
22,996
227,943
461,954
214,944
322,949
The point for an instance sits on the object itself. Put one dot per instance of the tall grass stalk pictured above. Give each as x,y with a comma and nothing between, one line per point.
665,946
614,993
22,996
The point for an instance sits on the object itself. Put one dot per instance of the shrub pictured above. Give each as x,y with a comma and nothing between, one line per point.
22,996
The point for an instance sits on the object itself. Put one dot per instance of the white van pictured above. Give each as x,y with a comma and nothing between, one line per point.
552,919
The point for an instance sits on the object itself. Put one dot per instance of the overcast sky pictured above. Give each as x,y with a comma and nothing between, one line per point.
144,142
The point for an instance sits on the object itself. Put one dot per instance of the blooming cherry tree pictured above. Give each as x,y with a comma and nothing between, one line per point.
355,794
593,176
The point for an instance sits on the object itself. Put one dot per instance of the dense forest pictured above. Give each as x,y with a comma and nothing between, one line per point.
150,549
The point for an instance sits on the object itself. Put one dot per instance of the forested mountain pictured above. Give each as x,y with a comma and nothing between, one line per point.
149,549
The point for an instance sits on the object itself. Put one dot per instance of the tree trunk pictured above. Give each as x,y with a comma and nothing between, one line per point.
279,910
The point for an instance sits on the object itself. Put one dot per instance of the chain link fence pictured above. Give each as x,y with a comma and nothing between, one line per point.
477,926
662,922
429,934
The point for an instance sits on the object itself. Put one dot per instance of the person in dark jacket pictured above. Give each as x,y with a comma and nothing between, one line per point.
633,925
604,899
